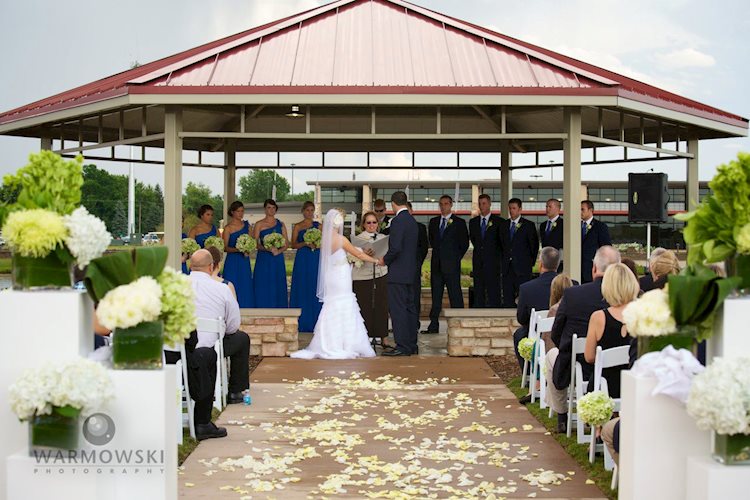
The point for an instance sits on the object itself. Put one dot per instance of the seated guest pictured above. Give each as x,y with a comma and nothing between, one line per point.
534,294
213,300
630,264
558,286
576,307
216,256
606,329
661,267
611,438
647,281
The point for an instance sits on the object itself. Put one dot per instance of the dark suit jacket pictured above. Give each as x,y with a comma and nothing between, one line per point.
401,257
486,256
596,237
555,237
522,251
576,307
534,294
386,228
646,282
448,251
423,245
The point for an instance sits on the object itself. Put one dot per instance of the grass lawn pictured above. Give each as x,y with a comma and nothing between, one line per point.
579,452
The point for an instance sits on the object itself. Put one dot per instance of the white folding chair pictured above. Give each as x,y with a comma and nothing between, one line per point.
217,326
577,347
543,325
186,405
607,358
533,335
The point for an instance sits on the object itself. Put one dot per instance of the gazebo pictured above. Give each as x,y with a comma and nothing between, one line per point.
373,76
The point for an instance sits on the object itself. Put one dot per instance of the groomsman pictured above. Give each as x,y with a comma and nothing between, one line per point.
449,240
384,222
520,245
551,230
423,245
594,234
484,233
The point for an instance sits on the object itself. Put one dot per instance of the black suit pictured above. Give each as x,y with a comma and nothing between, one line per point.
423,245
553,238
595,237
486,260
576,307
401,260
533,294
383,226
445,264
519,256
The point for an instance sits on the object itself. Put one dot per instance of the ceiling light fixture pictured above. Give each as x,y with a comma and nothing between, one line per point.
295,113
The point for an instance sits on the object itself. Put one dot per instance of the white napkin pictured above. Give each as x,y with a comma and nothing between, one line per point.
674,370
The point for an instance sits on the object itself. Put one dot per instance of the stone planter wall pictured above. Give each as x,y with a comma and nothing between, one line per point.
273,332
480,332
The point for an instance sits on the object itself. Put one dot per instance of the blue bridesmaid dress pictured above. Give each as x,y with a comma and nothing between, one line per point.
305,284
237,270
270,275
185,269
201,238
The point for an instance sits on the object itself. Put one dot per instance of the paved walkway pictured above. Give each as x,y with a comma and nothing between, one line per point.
416,427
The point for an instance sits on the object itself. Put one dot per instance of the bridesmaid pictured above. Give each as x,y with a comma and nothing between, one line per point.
185,269
237,265
305,271
270,271
205,227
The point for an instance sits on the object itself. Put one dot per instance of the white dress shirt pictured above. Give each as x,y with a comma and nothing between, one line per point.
214,299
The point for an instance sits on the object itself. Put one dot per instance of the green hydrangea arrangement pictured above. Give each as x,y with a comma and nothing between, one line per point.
595,408
313,235
246,244
214,241
177,306
526,348
273,240
35,233
189,246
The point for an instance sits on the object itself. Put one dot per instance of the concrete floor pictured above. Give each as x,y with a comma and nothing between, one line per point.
346,433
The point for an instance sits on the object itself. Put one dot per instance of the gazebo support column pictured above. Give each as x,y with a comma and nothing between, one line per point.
572,193
691,185
366,199
173,184
46,143
506,178
230,173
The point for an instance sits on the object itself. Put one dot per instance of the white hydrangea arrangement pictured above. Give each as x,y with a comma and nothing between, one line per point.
351,259
245,244
650,315
313,235
81,384
131,304
177,306
87,237
720,397
273,240
189,246
595,408
214,241
526,348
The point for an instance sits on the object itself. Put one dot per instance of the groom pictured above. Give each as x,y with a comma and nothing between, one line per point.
401,260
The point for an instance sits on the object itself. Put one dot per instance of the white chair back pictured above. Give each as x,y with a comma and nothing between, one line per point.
609,358
544,325
533,335
577,347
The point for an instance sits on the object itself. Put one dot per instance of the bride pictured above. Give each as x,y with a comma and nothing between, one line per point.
340,332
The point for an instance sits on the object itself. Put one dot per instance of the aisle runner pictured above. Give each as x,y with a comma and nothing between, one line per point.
351,429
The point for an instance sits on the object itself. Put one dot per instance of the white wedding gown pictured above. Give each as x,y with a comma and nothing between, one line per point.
340,332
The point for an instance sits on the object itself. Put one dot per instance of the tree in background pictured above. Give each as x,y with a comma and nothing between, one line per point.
257,186
200,194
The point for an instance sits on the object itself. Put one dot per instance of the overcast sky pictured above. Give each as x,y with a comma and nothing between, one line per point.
695,48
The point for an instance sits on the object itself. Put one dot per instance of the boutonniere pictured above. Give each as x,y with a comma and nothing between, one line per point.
518,225
383,225
450,221
554,225
588,227
490,224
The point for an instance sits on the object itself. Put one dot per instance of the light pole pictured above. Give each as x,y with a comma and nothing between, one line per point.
292,165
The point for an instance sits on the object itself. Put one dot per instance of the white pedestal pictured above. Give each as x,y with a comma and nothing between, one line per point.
730,339
656,437
709,480
140,462
37,327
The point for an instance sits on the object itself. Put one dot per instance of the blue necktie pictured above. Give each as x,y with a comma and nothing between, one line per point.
442,227
512,230
583,229
549,227
484,226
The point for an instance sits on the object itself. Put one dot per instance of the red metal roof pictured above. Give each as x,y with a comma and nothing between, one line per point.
370,47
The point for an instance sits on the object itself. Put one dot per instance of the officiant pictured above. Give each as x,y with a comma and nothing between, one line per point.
370,283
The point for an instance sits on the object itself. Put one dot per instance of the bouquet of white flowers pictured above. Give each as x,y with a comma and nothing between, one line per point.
79,384
131,304
273,240
313,235
526,348
720,397
87,237
189,246
214,241
351,259
650,315
595,408
177,306
246,244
